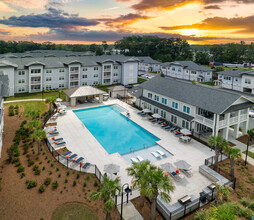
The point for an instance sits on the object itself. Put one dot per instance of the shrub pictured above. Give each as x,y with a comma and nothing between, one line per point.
55,185
15,160
25,147
41,189
36,167
31,184
11,110
22,175
51,164
57,169
23,123
37,172
47,181
88,178
74,183
78,175
43,168
66,180
59,175
30,162
68,173
20,169
84,184
95,183
17,164
13,151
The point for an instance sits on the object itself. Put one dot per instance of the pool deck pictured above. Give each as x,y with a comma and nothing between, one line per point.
80,141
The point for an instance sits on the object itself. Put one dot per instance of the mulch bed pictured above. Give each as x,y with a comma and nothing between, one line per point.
18,202
244,140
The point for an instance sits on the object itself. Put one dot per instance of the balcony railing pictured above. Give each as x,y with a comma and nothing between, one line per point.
74,79
243,117
233,120
35,82
35,90
203,120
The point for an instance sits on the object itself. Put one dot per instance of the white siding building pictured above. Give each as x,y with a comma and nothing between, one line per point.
198,108
147,64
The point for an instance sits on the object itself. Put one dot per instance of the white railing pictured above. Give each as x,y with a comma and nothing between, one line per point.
223,123
233,120
35,82
243,117
203,120
74,79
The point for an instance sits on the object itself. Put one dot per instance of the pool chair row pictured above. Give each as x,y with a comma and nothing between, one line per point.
158,154
74,158
156,120
169,127
137,159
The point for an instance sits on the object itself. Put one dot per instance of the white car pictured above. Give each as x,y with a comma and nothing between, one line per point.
251,113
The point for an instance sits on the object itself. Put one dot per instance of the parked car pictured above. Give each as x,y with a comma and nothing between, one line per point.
128,86
251,113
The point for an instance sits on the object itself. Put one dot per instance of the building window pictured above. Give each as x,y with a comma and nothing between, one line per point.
84,83
21,73
163,114
187,71
61,70
106,80
173,68
175,105
21,81
96,75
36,71
150,95
173,119
61,77
247,81
61,85
236,79
84,76
74,69
193,72
21,89
208,74
185,124
156,98
95,82
155,110
115,74
48,79
85,69
186,109
48,71
179,69
115,81
227,77
115,67
164,101
96,68
48,87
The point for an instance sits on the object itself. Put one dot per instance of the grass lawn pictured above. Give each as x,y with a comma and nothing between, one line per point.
75,211
250,154
208,83
141,80
37,95
227,68
37,105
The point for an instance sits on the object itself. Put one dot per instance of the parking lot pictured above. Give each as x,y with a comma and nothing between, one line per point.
146,75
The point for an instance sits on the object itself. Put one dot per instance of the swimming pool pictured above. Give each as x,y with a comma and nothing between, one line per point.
115,132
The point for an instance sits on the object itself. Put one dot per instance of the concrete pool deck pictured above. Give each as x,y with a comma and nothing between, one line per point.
80,141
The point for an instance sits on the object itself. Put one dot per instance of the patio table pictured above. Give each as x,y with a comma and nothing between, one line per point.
185,138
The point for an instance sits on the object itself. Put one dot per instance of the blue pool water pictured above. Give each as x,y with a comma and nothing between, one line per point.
115,132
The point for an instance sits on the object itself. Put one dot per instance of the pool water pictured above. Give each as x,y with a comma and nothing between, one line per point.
114,131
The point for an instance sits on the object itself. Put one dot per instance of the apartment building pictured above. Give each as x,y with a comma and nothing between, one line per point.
4,90
44,71
147,64
239,80
200,109
187,70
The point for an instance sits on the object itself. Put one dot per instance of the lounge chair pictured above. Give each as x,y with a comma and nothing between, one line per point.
155,154
72,156
53,132
79,159
139,113
57,139
54,117
175,176
67,153
173,130
143,114
169,127
178,133
161,153
140,158
60,143
160,122
86,165
187,172
133,159
165,125
52,129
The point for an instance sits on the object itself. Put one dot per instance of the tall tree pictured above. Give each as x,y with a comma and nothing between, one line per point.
39,135
33,114
107,191
50,100
33,125
104,45
202,58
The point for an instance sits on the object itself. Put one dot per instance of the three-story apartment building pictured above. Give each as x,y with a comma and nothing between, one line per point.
197,108
148,64
187,70
38,73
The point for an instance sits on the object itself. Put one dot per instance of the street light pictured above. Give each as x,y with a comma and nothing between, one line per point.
127,191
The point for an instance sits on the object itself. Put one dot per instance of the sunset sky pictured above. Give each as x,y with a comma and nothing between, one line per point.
88,21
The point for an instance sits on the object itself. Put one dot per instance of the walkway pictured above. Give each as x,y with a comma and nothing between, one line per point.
130,212
24,100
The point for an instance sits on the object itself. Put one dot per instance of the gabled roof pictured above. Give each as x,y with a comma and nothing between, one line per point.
192,66
233,73
35,63
208,98
147,59
7,63
83,91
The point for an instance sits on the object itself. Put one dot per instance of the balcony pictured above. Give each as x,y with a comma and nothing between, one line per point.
35,90
74,79
232,121
203,120
35,82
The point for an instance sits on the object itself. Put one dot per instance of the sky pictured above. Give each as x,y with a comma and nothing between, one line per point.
94,21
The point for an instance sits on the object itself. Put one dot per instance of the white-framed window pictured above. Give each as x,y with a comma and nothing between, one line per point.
173,119
106,80
185,124
48,79
179,69
156,98
61,85
156,110
48,87
208,74
48,71
95,82
21,89
96,68
186,109
84,76
227,77
193,72
96,75
21,81
163,114
236,79
164,101
35,70
21,72
61,70
187,71
115,81
85,69
61,77
74,69
150,95
115,74
247,81
173,68
84,83
115,67
175,105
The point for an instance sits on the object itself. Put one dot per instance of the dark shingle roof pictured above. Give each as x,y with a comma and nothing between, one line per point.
192,66
148,60
234,73
211,99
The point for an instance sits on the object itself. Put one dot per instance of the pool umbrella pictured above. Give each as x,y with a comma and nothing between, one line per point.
168,167
182,164
185,131
111,168
146,110
59,100
156,116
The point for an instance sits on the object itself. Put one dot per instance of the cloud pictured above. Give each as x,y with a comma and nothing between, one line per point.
244,24
29,4
4,32
5,8
124,20
212,7
110,9
52,19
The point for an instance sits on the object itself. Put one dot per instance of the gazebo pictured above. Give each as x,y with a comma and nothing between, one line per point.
82,93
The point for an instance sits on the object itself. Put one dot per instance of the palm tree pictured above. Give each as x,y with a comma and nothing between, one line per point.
33,125
50,100
233,153
107,192
138,170
222,193
39,135
157,183
250,133
59,93
218,143
33,114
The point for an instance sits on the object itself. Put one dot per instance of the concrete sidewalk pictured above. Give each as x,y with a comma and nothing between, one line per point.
24,100
130,212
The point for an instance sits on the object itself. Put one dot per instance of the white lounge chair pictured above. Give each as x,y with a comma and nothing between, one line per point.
155,154
161,153
140,158
133,159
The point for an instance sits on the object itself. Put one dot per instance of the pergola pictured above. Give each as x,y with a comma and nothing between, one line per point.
82,92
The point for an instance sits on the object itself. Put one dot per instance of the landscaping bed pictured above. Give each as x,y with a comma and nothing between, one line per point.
58,185
244,140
